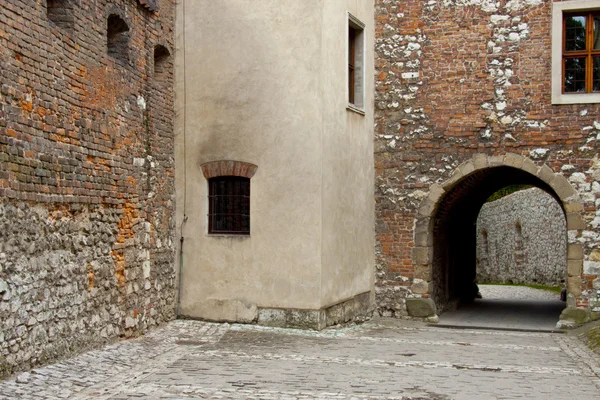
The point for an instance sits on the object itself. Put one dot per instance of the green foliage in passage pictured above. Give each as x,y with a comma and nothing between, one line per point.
505,191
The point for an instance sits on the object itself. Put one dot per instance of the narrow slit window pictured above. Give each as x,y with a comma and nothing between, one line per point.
356,63
229,205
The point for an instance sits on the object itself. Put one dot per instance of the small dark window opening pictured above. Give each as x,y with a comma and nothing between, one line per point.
117,38
61,13
229,205
162,63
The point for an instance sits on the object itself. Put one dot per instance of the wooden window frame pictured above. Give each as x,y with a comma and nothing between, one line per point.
589,53
559,10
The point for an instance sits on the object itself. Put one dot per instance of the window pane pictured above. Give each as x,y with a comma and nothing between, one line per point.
575,75
575,33
596,82
596,32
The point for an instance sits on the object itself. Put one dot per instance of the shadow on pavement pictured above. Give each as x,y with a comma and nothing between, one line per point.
511,314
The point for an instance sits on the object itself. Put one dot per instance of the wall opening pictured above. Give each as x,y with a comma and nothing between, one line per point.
61,13
117,38
162,64
455,253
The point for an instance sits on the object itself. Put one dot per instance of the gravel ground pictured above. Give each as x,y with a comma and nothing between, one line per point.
516,292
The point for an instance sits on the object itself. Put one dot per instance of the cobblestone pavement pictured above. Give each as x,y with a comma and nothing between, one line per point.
516,292
382,359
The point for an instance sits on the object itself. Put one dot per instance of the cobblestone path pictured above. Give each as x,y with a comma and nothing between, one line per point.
382,359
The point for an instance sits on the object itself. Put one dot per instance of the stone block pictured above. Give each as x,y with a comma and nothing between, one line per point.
420,286
546,174
436,192
574,267
423,272
457,175
466,168
422,255
591,268
575,251
562,187
529,166
426,208
513,160
577,315
575,222
496,161
573,206
480,161
421,308
574,285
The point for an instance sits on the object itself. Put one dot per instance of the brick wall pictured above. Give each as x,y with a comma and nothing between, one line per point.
460,78
86,176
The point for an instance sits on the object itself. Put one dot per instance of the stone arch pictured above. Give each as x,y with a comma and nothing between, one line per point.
486,174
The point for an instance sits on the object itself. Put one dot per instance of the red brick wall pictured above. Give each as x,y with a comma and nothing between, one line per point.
481,84
86,153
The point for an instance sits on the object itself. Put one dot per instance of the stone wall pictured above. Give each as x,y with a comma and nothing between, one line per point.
457,80
522,238
86,175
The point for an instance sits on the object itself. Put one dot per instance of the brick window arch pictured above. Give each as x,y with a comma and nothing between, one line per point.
228,196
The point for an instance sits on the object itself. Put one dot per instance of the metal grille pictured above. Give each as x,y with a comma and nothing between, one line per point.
229,205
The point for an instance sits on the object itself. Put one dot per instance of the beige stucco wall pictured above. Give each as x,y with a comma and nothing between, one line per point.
255,82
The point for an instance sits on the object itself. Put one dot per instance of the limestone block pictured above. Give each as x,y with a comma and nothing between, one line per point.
574,285
562,187
423,272
480,161
591,268
435,193
421,308
575,222
426,208
420,286
496,161
546,174
574,267
457,175
422,255
513,160
466,168
577,315
573,206
575,251
529,166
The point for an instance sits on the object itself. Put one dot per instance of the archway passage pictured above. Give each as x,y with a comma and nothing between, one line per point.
444,256
454,231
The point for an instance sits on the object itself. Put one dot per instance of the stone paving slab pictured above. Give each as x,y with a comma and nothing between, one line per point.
382,359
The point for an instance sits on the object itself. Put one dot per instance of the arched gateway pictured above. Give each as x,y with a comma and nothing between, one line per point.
444,235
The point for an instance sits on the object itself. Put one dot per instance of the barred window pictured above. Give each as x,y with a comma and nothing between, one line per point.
229,205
